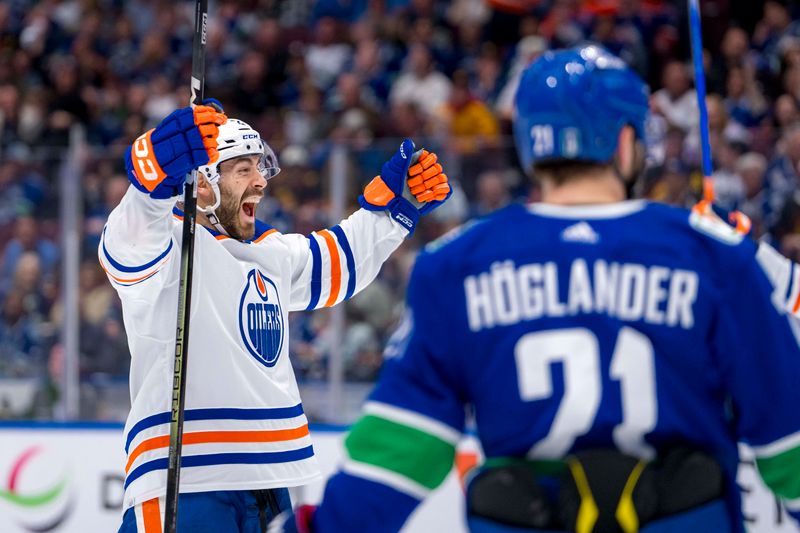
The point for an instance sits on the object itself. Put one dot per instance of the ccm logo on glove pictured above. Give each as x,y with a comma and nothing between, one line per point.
148,168
159,159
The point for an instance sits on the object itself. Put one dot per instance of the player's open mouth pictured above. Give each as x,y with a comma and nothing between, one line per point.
248,212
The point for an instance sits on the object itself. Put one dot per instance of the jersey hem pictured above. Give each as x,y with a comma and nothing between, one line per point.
212,487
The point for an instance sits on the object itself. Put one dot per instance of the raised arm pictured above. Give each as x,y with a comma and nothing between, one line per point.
137,240
333,264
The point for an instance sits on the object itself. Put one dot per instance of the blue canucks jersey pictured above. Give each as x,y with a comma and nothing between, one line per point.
633,326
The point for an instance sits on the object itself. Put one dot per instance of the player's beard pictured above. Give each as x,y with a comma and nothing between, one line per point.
228,213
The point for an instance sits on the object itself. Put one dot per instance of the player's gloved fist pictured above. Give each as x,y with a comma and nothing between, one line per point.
427,181
299,521
159,159
392,189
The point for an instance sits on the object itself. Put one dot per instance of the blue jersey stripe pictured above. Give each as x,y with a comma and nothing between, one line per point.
221,413
316,272
123,268
351,262
188,461
790,285
261,229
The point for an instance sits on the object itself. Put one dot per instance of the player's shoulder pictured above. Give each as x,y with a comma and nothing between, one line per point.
472,233
705,234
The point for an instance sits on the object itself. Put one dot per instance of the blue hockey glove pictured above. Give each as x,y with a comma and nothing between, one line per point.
213,102
159,159
410,184
299,521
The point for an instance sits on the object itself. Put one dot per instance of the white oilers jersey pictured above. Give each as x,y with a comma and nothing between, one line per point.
244,422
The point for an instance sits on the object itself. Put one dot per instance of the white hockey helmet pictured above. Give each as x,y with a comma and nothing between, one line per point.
236,138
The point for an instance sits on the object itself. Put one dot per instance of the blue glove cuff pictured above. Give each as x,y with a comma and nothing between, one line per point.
400,209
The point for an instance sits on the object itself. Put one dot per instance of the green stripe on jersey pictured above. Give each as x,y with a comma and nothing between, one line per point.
779,472
417,455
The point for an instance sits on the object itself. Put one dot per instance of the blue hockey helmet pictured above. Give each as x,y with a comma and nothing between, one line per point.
572,104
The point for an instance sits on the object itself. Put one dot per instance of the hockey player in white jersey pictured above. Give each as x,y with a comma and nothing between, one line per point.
245,435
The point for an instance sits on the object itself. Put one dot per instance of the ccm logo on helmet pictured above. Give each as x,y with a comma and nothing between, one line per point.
261,318
250,136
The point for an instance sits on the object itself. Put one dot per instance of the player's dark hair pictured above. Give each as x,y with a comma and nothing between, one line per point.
560,171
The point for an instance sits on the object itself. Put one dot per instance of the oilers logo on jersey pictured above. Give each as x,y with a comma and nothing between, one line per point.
260,318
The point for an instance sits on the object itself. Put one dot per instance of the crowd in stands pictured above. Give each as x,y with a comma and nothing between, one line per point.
313,75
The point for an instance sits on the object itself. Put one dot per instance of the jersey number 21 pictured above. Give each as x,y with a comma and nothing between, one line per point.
578,350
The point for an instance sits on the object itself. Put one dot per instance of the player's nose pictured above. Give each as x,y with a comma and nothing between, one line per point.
258,180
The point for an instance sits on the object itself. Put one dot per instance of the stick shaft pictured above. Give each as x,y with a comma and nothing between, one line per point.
185,287
700,84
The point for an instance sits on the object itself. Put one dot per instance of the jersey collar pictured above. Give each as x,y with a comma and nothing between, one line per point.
261,228
614,210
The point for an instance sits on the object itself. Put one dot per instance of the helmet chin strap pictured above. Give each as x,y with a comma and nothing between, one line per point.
210,212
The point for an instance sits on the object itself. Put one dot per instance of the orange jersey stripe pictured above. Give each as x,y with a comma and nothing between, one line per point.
202,437
151,515
796,303
336,269
265,235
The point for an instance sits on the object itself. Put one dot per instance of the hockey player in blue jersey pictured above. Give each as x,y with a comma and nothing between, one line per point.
611,351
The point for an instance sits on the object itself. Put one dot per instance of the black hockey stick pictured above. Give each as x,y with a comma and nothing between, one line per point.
185,286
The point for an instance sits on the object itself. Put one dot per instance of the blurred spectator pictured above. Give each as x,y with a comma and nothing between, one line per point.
466,121
251,91
669,183
783,176
775,24
729,189
21,345
27,239
492,193
369,66
487,77
561,25
421,84
786,111
307,123
406,120
734,51
67,106
786,232
327,56
752,168
744,101
528,49
677,101
722,131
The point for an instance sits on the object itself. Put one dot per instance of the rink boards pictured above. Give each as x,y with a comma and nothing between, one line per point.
68,478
